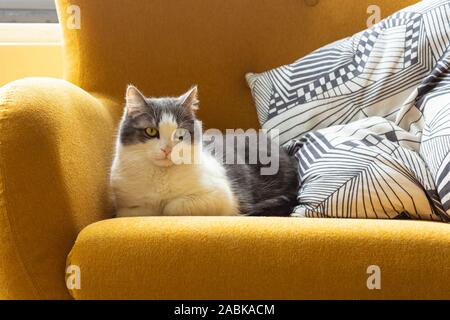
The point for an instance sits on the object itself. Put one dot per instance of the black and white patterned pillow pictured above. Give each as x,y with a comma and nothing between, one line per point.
366,169
368,118
374,168
369,74
433,102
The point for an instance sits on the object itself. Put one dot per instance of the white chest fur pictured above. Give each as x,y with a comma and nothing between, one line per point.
143,189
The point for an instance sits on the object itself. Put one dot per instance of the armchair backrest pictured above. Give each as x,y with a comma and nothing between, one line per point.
165,46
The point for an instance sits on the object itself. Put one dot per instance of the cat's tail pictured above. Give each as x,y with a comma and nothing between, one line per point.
281,206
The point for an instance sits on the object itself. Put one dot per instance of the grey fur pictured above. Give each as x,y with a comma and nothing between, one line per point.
264,195
148,113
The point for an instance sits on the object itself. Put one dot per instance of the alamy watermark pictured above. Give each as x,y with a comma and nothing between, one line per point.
73,277
374,280
375,15
236,146
74,17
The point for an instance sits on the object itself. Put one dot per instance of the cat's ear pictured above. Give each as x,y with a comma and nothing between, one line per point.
135,100
189,100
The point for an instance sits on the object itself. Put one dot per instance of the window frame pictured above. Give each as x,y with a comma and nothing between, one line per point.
28,11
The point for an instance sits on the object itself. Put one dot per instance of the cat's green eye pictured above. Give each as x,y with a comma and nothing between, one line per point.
151,132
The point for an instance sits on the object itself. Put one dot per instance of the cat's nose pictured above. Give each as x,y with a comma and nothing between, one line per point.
166,150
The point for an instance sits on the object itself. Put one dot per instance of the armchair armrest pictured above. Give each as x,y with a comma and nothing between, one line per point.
55,150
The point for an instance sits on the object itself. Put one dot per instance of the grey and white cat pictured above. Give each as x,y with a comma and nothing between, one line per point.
145,181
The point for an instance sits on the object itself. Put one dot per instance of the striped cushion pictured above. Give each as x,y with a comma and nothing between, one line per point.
433,101
366,169
368,118
375,168
369,74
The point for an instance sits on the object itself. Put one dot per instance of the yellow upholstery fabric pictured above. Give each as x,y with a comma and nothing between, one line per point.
55,150
56,147
261,258
164,46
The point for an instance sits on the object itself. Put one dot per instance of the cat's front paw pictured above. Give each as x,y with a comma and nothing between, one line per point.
136,212
177,207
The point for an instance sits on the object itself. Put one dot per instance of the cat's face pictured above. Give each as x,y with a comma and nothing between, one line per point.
160,130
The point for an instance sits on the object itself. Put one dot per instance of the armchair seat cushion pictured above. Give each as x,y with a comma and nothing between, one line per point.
262,258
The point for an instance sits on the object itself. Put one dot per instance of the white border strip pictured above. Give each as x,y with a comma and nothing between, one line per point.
30,33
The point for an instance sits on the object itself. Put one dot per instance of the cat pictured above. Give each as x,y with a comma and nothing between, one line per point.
145,179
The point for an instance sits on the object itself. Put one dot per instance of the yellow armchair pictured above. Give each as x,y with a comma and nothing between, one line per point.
55,150
226,258
56,144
